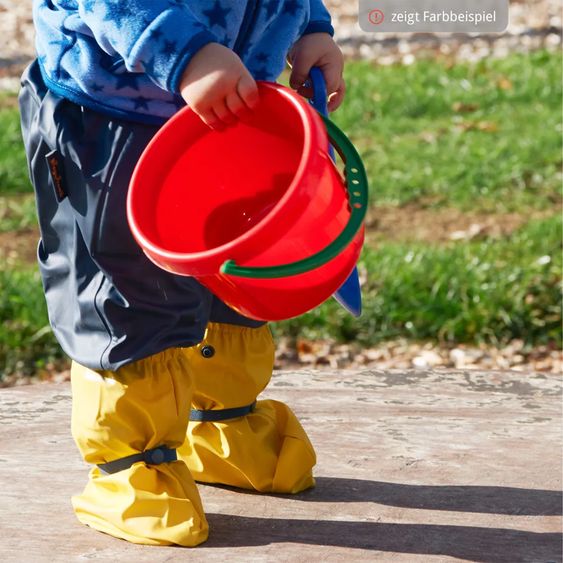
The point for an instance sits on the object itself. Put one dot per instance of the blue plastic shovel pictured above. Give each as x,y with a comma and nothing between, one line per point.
349,294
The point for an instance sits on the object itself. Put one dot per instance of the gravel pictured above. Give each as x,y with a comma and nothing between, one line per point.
402,354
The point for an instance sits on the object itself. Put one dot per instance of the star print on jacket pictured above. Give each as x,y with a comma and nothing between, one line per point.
290,7
127,81
217,15
118,13
271,7
127,58
261,73
169,48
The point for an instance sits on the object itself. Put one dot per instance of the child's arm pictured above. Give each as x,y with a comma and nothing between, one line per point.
156,37
211,78
317,48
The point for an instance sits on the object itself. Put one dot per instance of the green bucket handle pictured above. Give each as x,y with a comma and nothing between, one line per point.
357,186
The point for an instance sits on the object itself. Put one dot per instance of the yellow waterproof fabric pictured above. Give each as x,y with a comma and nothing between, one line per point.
116,414
266,450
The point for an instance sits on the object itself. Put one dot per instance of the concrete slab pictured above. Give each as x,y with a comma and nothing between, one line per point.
413,466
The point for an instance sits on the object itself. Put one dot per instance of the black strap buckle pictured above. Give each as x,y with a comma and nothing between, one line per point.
156,456
222,414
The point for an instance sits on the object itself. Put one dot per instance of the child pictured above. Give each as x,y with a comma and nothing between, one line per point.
147,346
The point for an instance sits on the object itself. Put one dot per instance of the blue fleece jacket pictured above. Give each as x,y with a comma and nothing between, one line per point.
126,57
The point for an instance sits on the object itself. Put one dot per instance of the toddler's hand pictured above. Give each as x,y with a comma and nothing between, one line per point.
217,86
318,49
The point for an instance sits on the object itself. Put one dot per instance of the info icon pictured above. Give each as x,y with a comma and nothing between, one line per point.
376,17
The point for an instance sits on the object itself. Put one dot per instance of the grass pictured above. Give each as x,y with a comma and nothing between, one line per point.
26,341
17,212
483,138
489,291
13,166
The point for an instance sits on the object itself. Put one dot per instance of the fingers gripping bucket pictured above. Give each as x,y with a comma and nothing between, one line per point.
258,213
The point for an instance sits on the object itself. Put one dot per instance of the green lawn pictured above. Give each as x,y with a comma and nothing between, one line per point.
489,291
13,167
483,138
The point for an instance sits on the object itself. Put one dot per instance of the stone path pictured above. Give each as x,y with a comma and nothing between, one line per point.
414,466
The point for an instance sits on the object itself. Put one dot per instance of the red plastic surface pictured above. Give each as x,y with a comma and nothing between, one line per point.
264,193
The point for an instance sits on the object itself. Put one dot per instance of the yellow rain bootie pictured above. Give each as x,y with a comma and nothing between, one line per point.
128,423
233,439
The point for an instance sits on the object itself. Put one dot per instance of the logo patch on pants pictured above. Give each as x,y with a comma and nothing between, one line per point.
56,170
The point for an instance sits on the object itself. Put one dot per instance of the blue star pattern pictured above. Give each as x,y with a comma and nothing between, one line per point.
134,57
290,7
261,73
141,102
88,5
118,12
155,34
169,48
271,7
127,80
66,42
217,15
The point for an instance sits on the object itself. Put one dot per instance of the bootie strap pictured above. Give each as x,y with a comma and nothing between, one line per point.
221,414
156,456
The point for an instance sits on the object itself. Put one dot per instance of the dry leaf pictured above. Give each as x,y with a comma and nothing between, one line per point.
504,84
485,126
488,126
304,346
462,107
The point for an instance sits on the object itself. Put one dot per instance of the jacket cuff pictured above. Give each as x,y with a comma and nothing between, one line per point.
165,47
319,27
195,44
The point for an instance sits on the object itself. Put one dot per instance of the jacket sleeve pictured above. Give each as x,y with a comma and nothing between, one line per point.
319,20
157,37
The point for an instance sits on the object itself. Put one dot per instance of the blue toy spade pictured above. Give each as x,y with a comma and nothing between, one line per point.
349,295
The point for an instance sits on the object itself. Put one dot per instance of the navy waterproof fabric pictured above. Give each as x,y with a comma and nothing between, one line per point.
108,304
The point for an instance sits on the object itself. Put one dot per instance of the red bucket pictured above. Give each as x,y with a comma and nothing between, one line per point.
258,213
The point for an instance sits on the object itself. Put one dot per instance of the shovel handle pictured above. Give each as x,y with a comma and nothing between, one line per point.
320,97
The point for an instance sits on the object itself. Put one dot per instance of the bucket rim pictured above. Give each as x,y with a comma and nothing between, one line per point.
312,130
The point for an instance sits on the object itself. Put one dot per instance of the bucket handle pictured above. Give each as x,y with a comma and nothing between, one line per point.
357,186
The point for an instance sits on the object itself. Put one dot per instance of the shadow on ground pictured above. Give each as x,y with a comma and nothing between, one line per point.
485,499
489,500
465,542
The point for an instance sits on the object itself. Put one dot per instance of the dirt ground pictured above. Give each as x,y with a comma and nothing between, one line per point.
392,224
